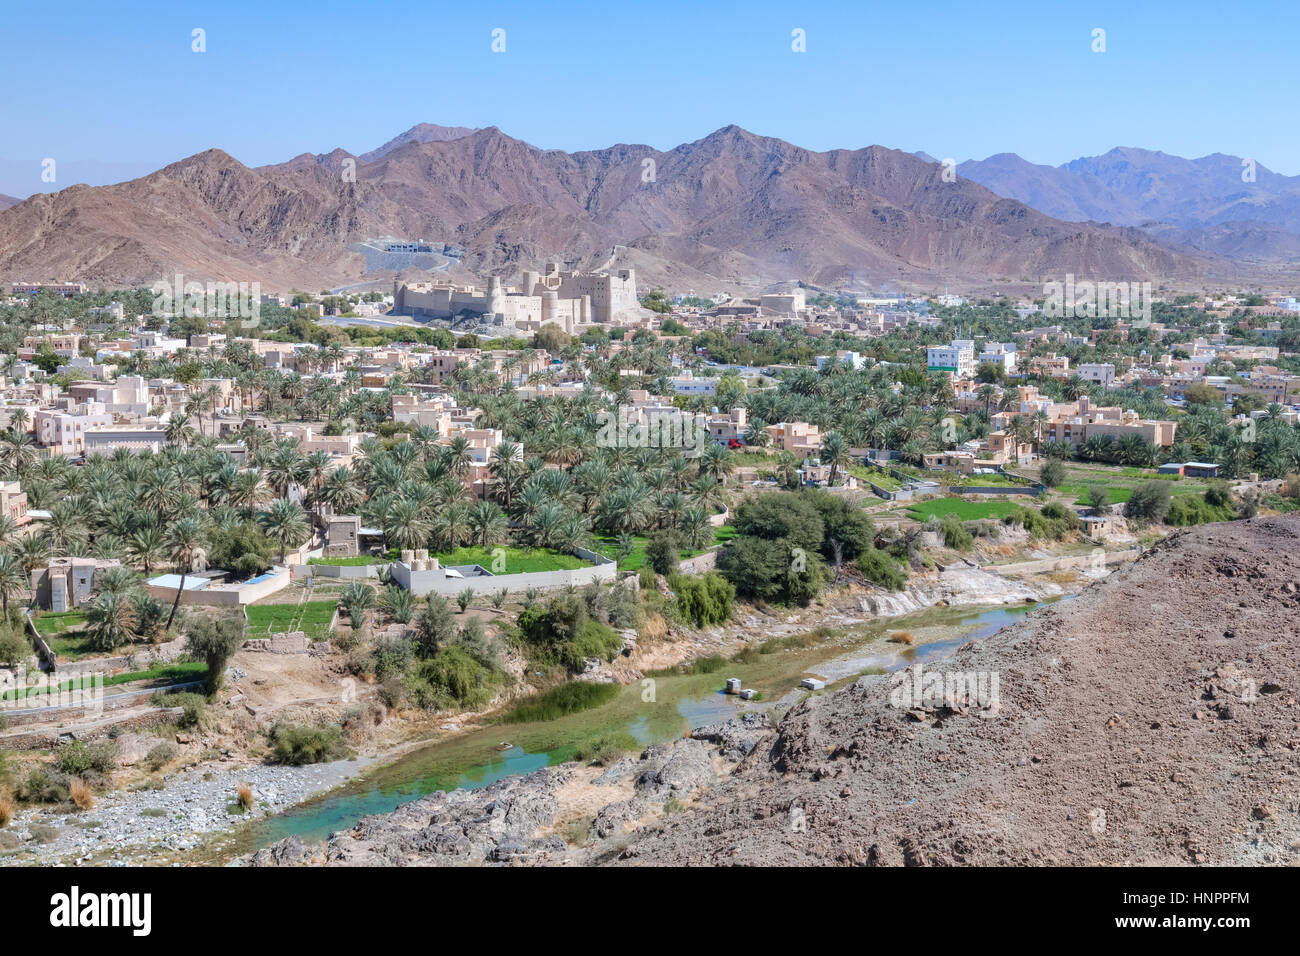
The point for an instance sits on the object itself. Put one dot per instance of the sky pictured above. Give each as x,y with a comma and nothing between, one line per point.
112,91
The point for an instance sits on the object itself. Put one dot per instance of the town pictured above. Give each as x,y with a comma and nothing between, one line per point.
372,516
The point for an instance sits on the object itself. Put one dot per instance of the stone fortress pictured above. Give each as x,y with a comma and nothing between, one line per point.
566,299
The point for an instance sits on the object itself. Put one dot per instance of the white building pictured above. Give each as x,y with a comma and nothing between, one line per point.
1000,353
958,358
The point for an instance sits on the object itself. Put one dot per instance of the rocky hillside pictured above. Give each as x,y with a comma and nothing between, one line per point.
1150,720
732,208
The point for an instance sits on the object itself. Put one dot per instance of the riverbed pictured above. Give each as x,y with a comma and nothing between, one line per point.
657,709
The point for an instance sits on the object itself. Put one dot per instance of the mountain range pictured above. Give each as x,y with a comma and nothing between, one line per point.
732,210
1218,204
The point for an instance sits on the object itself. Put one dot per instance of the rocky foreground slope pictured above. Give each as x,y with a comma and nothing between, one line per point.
1153,719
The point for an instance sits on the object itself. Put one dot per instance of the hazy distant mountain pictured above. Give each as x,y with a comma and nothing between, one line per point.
420,133
7,201
1206,197
731,208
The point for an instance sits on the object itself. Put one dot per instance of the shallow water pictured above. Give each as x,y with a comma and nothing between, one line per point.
679,703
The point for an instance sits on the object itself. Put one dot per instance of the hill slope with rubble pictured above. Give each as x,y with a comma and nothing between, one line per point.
1150,720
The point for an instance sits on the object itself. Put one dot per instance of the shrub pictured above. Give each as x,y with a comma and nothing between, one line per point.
605,750
161,755
392,657
453,677
244,796
435,626
14,646
1149,502
704,600
7,810
954,533
214,641
1053,473
646,578
76,758
663,551
193,706
879,568
297,744
499,598
43,785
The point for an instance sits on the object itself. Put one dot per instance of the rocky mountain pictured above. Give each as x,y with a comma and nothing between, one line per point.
419,133
732,208
1203,203
7,201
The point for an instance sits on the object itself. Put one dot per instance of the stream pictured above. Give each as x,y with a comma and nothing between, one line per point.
679,703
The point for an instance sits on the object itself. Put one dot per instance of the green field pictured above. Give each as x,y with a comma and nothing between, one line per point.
312,618
59,631
966,510
607,544
517,560
164,675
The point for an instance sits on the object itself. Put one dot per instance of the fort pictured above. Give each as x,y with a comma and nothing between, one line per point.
566,299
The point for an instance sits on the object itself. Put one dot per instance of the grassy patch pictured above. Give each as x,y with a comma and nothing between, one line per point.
607,545
358,561
170,674
312,618
517,560
966,510
561,701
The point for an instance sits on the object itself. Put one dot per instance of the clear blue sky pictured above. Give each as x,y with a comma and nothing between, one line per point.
114,88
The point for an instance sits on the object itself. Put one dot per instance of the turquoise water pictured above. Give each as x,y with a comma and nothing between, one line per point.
458,762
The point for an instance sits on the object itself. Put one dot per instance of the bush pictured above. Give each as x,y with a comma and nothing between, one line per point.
77,759
1053,473
214,641
605,750
398,602
879,568
7,810
465,598
297,744
435,626
14,646
161,755
563,632
954,533
560,701
43,785
663,551
193,706
704,600
453,677
1149,502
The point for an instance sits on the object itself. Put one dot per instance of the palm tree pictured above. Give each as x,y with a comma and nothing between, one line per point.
286,523
488,525
835,452
110,620
356,599
406,526
147,547
185,542
13,580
